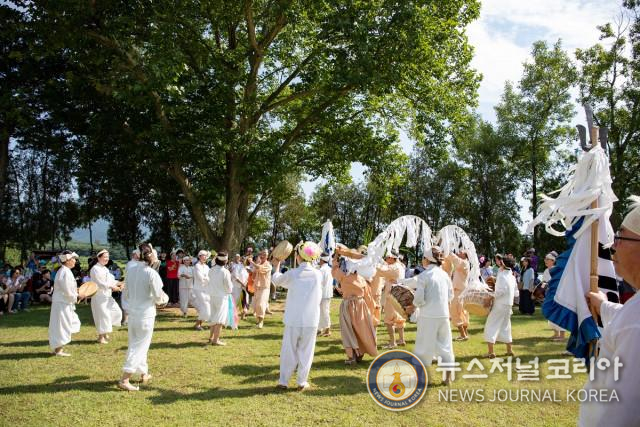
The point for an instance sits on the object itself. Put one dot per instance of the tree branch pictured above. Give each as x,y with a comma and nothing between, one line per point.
194,205
258,205
285,83
251,27
313,116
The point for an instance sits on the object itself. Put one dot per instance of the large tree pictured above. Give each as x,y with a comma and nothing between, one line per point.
536,113
610,82
228,97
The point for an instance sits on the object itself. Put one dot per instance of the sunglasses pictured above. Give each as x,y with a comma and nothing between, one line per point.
618,237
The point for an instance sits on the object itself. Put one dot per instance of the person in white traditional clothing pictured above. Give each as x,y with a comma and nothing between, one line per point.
105,310
135,258
434,292
239,277
185,276
324,325
550,262
620,336
498,325
200,288
301,314
144,291
64,321
220,289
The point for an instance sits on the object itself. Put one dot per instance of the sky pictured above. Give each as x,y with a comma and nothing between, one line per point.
502,39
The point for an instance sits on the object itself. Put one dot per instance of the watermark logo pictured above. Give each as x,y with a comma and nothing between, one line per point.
397,380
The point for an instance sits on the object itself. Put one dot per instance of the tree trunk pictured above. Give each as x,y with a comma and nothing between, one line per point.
194,205
534,190
4,161
236,209
91,238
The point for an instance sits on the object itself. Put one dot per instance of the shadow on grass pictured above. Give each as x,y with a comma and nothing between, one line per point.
171,345
20,356
320,386
258,337
258,371
42,343
61,385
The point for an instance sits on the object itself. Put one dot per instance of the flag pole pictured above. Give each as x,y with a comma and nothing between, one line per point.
593,270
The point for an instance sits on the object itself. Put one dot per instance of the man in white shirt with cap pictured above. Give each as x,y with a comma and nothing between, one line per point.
324,326
301,314
620,337
434,292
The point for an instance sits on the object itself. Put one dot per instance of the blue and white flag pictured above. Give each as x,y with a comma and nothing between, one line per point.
565,302
328,240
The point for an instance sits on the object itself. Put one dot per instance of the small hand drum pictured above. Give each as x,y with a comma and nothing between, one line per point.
163,300
401,298
282,250
87,290
474,301
539,292
491,282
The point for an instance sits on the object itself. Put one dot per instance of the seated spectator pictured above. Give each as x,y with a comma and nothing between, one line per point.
16,285
4,296
43,287
85,276
115,270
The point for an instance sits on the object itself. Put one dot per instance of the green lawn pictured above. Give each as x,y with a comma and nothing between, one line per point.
196,384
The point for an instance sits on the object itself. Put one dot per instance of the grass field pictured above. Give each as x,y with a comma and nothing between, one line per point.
197,385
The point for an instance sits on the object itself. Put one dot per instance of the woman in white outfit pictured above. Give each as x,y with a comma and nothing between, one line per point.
239,277
498,325
220,288
64,321
200,288
185,275
144,291
434,292
106,312
324,324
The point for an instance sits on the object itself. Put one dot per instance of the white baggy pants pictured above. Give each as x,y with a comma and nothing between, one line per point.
140,333
186,297
498,325
433,338
298,344
325,314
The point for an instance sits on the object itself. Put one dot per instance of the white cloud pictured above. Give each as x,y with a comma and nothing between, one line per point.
506,29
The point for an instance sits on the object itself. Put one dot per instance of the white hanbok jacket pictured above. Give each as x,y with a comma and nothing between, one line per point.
143,291
304,285
434,292
621,339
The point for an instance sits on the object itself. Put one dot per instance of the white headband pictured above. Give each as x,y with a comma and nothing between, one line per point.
223,258
67,257
632,220
102,252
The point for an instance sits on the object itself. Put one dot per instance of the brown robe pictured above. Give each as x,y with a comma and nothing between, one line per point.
262,284
459,316
356,323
